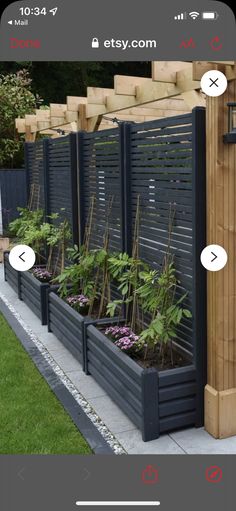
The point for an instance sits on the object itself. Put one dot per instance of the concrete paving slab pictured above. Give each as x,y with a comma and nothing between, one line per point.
115,420
198,441
133,444
50,341
86,384
65,360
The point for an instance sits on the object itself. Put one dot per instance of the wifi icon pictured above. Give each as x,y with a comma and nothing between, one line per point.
194,15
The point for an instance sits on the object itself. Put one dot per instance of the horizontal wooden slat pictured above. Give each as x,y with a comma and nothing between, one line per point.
177,421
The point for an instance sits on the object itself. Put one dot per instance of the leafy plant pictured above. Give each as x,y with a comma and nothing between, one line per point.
82,277
125,270
154,294
58,237
20,225
30,229
16,100
159,299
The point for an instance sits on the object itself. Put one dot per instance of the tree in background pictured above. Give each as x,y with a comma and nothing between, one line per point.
56,80
16,100
21,84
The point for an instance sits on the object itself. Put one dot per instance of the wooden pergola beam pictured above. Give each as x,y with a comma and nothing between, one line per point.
58,110
193,98
166,71
127,84
98,95
185,82
201,67
173,86
73,102
94,123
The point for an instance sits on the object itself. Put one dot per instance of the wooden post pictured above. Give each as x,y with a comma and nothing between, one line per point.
29,136
82,122
220,392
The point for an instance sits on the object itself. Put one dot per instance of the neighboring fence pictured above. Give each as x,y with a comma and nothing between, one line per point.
12,195
158,168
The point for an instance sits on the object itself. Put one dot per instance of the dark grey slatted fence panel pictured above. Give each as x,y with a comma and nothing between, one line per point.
61,184
13,194
51,180
35,176
29,159
59,176
101,180
161,175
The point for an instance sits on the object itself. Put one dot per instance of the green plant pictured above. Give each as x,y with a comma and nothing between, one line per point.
125,271
84,276
58,237
156,287
30,229
154,295
16,100
89,274
158,293
26,218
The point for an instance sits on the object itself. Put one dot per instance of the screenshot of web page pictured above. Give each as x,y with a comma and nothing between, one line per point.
117,256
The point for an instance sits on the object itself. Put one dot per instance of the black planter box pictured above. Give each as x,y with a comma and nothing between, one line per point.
34,294
11,276
67,325
155,401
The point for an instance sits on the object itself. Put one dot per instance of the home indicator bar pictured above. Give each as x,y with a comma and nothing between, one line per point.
117,503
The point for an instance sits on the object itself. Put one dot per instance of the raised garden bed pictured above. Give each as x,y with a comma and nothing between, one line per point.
34,294
66,324
11,276
28,288
155,401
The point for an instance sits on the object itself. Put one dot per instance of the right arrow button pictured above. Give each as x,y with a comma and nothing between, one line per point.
214,257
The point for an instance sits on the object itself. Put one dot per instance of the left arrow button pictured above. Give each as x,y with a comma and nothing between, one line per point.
22,257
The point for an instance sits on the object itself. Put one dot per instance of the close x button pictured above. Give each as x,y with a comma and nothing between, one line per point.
214,83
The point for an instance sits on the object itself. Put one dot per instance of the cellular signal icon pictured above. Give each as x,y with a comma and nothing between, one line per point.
182,16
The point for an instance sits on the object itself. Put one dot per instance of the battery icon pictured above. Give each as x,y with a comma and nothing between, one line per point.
210,15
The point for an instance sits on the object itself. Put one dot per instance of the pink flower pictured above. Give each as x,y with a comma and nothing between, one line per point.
77,300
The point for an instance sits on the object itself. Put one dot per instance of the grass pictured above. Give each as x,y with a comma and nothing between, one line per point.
32,420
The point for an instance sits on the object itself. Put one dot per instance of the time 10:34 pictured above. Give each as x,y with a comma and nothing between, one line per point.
36,11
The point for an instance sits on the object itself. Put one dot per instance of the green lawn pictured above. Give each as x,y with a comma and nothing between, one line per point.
32,421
